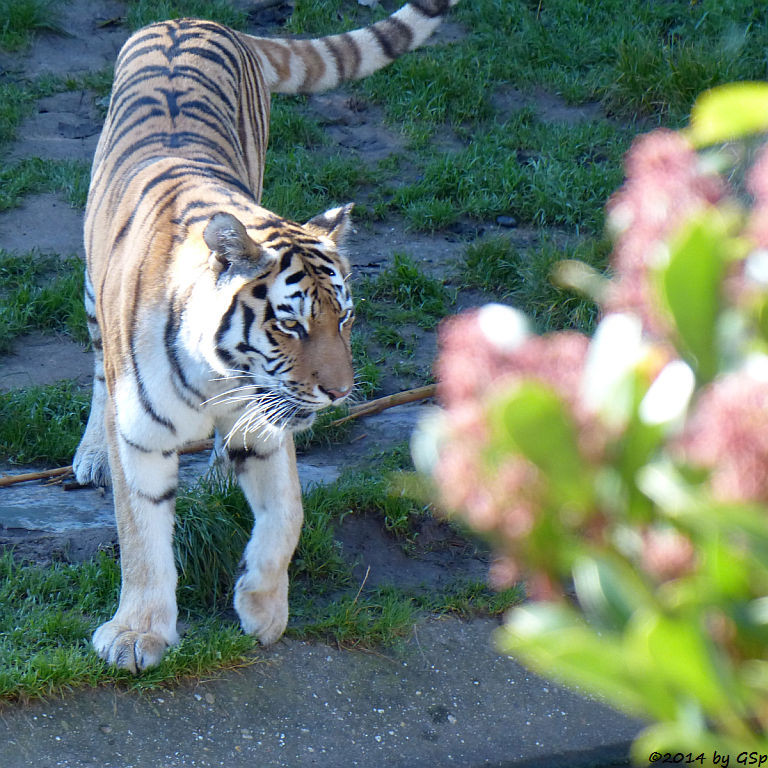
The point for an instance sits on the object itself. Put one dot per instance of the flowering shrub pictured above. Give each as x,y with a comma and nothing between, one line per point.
625,477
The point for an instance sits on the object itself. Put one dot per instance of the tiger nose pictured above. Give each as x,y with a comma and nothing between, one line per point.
335,394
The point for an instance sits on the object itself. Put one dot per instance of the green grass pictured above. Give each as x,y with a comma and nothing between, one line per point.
42,424
17,99
142,12
400,294
32,175
523,276
544,174
16,103
299,184
21,19
49,614
40,292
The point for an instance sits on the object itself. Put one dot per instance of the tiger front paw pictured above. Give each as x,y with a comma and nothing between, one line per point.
91,465
128,649
263,613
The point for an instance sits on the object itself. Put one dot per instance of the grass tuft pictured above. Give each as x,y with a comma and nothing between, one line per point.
378,617
42,424
522,276
403,294
143,12
40,292
21,19
70,178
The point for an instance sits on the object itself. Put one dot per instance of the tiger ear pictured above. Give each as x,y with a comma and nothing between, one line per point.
334,224
230,243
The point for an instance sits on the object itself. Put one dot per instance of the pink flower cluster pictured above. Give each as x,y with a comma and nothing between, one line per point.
665,185
471,364
666,553
502,496
728,435
757,184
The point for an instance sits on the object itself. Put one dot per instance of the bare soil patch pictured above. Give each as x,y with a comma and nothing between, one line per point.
43,222
42,359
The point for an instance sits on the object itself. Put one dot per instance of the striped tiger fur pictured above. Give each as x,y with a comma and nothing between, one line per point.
207,312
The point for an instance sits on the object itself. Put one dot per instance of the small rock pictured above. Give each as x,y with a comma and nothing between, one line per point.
506,221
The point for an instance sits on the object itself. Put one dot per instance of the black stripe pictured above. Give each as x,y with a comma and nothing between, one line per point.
393,37
276,368
238,456
169,495
295,277
135,446
248,318
337,55
224,355
172,326
146,403
224,326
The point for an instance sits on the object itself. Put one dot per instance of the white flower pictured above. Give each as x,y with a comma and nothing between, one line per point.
504,327
667,398
614,353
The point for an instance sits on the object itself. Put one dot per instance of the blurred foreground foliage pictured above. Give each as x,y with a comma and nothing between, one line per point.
625,476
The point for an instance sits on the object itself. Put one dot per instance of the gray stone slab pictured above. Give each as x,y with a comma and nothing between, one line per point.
52,509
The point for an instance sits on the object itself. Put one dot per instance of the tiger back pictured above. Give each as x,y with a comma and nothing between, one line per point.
208,312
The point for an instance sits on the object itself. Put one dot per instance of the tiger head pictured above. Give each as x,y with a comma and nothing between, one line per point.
287,328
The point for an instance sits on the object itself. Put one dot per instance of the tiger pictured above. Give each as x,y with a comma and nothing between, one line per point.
207,312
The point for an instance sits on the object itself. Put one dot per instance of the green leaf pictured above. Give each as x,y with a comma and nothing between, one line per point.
729,112
532,420
554,642
680,657
609,592
690,284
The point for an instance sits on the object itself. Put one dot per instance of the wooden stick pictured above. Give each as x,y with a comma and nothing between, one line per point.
355,412
390,401
44,474
197,447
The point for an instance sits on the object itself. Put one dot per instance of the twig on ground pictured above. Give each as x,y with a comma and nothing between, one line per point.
390,401
43,474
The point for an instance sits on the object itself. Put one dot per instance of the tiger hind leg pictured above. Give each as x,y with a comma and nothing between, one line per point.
91,462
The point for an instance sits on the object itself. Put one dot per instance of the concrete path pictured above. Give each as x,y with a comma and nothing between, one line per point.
445,698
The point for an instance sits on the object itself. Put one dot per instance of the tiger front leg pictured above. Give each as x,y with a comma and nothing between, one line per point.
268,476
144,487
